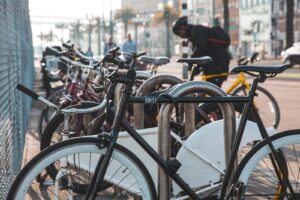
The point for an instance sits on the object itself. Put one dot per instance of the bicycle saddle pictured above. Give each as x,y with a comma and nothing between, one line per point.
204,60
155,60
273,69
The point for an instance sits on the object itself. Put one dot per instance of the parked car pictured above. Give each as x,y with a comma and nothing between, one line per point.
292,54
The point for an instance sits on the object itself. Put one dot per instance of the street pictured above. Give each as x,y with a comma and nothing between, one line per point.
285,88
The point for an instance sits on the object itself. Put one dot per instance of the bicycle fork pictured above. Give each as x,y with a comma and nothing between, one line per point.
101,168
104,160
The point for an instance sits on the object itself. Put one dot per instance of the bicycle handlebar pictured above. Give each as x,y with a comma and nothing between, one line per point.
67,46
126,73
35,96
101,106
54,51
78,64
136,55
114,50
85,59
28,92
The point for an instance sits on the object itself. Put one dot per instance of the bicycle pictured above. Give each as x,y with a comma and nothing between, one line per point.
265,102
78,85
114,164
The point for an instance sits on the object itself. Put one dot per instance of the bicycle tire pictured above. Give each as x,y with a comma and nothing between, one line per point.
254,170
273,117
66,150
53,134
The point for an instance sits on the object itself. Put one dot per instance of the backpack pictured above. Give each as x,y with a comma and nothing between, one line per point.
219,36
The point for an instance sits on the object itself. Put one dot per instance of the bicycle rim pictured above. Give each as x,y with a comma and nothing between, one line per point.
267,106
127,176
257,174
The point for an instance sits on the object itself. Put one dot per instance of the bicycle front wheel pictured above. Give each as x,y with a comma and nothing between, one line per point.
265,103
256,177
125,178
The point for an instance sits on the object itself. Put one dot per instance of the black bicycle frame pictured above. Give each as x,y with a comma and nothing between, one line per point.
120,121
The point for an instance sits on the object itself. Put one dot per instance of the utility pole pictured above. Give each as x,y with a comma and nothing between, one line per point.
103,28
184,42
167,20
111,21
90,28
98,29
77,32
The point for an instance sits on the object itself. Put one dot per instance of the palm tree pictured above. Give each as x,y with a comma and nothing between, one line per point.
125,15
289,23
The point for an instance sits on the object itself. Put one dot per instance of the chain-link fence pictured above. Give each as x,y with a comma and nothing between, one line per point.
16,66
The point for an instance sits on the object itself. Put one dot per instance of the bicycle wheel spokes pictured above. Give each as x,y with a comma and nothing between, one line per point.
76,168
261,181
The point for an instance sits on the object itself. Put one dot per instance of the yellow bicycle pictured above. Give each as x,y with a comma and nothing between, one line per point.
264,101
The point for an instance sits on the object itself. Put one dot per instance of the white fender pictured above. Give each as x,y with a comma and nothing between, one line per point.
202,154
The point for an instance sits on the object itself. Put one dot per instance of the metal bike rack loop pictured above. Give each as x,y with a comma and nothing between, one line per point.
148,86
164,126
139,75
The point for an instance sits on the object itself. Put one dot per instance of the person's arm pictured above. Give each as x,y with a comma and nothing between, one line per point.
199,41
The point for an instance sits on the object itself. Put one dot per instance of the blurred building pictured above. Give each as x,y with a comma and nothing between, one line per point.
151,35
210,13
278,35
201,12
141,6
255,27
234,21
263,26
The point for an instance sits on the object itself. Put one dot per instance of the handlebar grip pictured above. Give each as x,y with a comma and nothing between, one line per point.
27,91
114,50
141,54
127,73
67,46
53,51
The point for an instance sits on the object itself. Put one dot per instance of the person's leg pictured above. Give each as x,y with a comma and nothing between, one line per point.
217,81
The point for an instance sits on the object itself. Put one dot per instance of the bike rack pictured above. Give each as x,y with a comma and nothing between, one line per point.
148,86
164,126
139,75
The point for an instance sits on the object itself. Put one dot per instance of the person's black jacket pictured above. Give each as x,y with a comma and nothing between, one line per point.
202,47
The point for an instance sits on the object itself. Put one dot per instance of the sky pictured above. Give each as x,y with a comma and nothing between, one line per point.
44,13
71,8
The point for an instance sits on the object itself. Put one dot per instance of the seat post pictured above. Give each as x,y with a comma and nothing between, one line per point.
254,86
193,72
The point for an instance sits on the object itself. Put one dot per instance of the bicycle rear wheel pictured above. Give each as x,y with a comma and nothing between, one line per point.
266,104
256,176
126,174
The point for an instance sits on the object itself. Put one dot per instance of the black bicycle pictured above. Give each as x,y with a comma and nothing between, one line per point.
269,170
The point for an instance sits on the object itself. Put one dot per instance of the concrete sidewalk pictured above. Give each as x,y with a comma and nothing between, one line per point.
32,143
